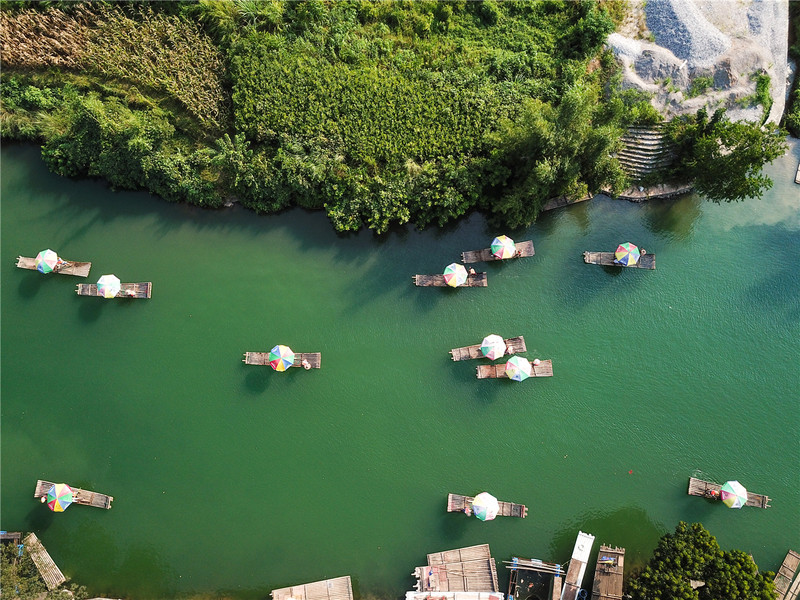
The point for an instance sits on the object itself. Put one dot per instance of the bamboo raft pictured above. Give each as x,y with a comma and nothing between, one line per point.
698,487
784,576
646,261
262,358
78,495
498,371
127,290
457,503
52,575
513,345
67,267
473,280
338,588
472,256
470,569
608,574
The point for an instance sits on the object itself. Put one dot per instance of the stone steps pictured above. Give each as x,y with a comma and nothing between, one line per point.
644,150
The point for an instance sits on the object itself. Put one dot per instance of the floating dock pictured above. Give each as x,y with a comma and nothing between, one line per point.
646,261
784,576
262,358
457,503
78,495
520,575
339,588
470,569
472,256
52,575
473,280
513,345
127,290
67,267
498,371
698,487
577,566
608,574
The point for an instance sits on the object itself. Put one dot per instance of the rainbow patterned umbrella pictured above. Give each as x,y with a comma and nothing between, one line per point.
518,368
59,497
485,506
46,261
493,346
455,275
733,494
108,286
627,254
281,358
503,247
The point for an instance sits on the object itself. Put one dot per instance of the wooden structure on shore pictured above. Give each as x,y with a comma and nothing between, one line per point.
470,569
127,290
646,261
262,358
472,256
513,345
78,495
338,588
498,370
66,267
52,575
516,589
698,487
608,574
784,576
577,566
473,280
457,503
11,536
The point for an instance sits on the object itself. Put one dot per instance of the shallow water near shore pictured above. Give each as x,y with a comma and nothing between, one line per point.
236,480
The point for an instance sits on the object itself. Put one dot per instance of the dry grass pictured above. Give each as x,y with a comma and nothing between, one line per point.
32,39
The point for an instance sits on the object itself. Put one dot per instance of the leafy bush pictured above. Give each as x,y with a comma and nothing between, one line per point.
699,86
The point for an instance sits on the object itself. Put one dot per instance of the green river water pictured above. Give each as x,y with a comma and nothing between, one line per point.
234,479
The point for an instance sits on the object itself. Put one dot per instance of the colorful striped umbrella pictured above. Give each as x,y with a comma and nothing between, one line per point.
59,497
627,254
46,261
455,275
503,247
518,368
108,286
281,358
493,346
733,494
485,506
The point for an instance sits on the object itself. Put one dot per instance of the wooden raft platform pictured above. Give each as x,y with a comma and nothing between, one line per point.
608,574
577,566
52,575
784,576
646,261
68,267
78,495
698,487
513,345
127,290
472,256
498,371
457,503
470,569
262,358
473,280
338,588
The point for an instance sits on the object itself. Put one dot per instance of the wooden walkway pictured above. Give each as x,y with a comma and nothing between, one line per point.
52,575
474,280
498,371
577,566
698,487
78,495
67,267
127,290
457,503
513,345
339,588
646,261
472,256
608,574
784,576
262,358
470,569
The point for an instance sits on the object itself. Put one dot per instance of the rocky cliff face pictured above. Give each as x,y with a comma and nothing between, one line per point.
694,53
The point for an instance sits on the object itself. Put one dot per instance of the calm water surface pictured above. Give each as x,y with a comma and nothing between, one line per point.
236,480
